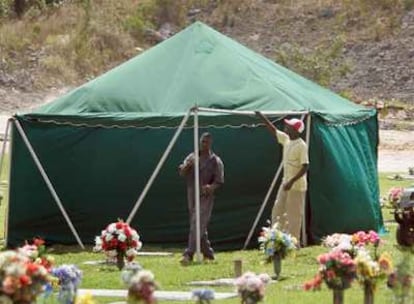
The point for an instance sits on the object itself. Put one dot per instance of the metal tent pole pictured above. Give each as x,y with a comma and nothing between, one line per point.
158,168
197,185
6,219
47,181
304,235
3,148
259,214
249,113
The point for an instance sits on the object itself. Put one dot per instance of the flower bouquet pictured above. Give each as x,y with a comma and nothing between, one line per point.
141,288
36,251
118,241
370,271
394,196
336,268
69,279
276,245
22,280
273,241
251,287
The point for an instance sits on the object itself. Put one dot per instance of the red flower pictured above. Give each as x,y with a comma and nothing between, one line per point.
32,268
113,242
25,280
122,246
127,232
119,225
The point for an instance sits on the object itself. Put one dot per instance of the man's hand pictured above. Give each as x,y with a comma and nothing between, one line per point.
207,190
258,114
287,185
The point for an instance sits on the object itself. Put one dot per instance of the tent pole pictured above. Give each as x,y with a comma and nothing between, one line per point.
197,185
250,113
6,217
47,181
3,147
259,214
158,168
304,235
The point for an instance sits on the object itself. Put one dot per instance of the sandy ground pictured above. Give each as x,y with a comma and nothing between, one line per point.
396,149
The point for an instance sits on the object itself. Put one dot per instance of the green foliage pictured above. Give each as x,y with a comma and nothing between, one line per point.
5,8
319,65
141,19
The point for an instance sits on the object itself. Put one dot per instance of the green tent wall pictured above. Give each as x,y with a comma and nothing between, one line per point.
100,143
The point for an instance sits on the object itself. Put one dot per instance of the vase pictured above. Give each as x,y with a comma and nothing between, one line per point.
368,293
277,265
120,261
338,296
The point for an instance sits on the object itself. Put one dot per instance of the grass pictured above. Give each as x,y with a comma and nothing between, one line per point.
171,276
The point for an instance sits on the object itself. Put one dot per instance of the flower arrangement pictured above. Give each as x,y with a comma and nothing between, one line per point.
203,296
118,240
141,288
69,279
338,241
251,287
394,196
370,270
22,280
273,241
36,251
337,269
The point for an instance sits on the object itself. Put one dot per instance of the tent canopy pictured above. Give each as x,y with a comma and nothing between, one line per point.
199,66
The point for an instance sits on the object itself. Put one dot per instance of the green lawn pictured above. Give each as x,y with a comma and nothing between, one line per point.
171,276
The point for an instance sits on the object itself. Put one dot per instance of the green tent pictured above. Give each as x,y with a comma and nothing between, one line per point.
100,143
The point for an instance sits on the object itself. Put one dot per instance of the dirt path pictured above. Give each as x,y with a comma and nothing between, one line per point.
396,151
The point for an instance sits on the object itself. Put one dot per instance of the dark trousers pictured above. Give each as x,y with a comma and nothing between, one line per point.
206,206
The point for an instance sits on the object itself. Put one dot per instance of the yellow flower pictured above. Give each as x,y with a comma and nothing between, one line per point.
85,299
385,263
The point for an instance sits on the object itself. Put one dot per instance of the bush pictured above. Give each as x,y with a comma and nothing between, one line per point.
319,65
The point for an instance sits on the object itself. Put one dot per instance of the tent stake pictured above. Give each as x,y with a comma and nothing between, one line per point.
47,181
197,185
157,168
259,214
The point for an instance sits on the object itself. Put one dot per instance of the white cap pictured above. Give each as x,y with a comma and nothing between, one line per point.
296,124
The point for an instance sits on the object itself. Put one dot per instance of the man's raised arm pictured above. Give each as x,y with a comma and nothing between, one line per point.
271,127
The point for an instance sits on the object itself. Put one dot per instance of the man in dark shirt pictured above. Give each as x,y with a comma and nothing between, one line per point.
211,171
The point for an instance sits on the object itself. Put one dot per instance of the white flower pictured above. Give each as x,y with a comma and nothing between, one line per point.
131,252
143,276
122,237
111,253
98,241
253,283
111,228
134,235
108,237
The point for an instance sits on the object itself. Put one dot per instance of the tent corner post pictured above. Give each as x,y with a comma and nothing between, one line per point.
197,184
304,234
7,209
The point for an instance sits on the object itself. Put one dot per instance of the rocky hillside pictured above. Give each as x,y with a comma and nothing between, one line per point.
362,49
